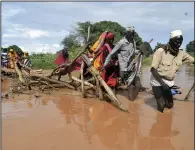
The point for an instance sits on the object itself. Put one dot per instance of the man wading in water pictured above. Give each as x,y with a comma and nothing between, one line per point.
165,64
126,51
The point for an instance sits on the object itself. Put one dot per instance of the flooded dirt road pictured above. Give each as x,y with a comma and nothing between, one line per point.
66,122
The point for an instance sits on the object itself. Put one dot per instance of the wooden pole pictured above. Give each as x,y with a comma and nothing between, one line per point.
111,95
189,92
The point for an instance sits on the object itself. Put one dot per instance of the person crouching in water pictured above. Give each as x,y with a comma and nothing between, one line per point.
166,62
63,58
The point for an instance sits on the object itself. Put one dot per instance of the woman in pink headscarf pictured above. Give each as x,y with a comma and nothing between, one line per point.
110,73
63,57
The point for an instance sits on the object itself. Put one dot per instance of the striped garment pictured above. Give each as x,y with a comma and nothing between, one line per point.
27,63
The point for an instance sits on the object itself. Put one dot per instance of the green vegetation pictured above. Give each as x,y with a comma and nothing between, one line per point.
147,61
191,53
190,47
43,61
14,47
158,45
78,37
47,61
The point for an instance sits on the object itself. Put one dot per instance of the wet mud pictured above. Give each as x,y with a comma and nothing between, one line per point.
66,121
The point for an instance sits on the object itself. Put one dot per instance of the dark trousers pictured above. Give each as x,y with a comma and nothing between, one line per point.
122,74
125,76
163,97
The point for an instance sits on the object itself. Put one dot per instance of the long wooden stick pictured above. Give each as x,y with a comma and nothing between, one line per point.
82,79
111,95
19,72
88,34
73,61
189,92
53,81
85,82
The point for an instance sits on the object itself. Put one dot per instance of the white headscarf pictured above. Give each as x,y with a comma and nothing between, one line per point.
175,33
130,28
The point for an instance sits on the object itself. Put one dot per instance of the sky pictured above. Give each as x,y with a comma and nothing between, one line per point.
41,26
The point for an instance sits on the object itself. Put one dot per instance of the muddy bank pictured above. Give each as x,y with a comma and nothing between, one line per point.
60,121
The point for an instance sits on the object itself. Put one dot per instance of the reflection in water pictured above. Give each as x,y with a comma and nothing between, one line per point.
117,130
29,104
45,100
160,134
190,70
59,120
4,86
76,112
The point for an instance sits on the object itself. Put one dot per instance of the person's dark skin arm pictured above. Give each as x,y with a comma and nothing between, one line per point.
158,78
187,58
155,63
112,53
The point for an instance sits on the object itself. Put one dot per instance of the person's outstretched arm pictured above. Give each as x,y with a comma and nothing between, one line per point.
112,53
187,58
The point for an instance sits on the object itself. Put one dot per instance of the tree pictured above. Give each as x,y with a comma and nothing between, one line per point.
70,41
158,45
99,27
14,47
190,47
4,50
81,31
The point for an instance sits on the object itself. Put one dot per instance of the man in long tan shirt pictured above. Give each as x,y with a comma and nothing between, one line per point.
165,64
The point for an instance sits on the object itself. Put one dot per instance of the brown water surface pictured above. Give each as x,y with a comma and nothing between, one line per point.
66,122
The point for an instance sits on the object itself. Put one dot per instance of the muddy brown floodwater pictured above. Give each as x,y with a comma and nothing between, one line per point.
66,122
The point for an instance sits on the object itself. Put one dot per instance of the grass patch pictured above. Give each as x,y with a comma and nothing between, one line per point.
147,61
43,61
191,54
73,53
47,61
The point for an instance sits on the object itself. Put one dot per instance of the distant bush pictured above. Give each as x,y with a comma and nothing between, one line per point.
147,61
43,61
47,61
